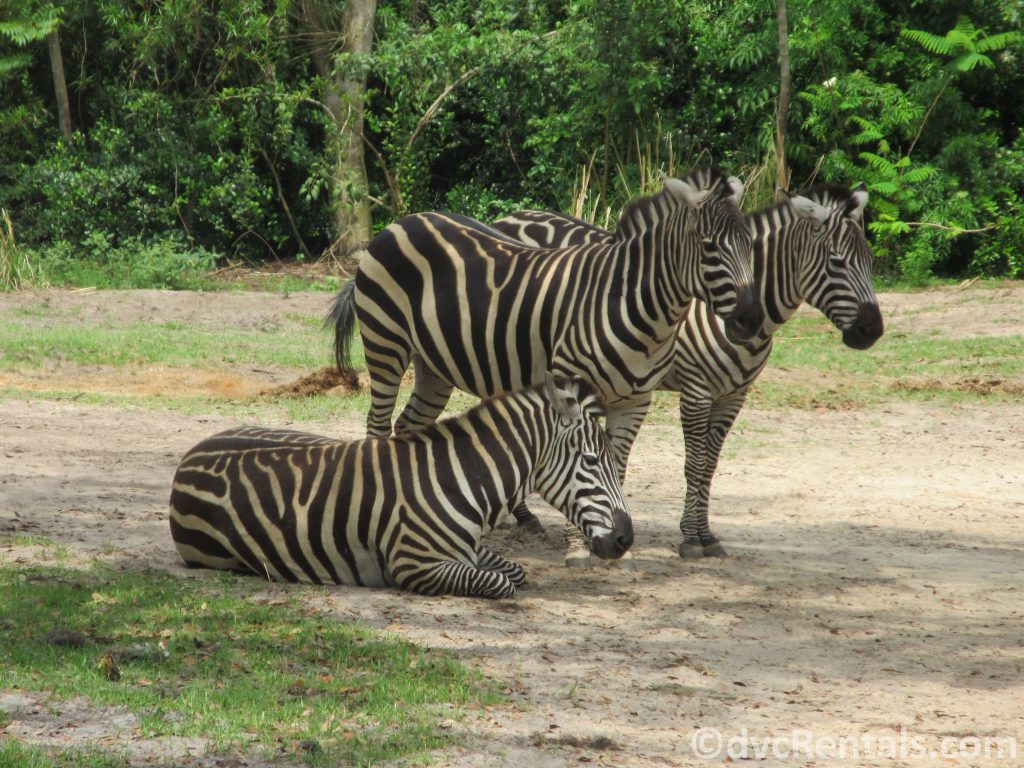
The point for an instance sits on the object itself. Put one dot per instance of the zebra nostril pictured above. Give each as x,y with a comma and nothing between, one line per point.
623,529
867,328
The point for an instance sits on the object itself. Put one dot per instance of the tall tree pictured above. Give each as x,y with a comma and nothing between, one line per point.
60,85
341,41
781,167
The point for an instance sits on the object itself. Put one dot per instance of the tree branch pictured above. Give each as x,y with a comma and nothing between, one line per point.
958,230
432,109
284,204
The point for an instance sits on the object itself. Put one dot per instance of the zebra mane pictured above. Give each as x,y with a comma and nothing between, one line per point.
637,215
589,398
486,229
828,195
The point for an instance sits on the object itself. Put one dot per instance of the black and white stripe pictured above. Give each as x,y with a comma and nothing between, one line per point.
810,248
473,309
406,512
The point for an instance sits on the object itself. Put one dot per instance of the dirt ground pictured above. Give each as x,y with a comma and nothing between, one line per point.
872,606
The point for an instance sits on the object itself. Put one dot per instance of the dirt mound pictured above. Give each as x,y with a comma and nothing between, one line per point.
328,379
974,384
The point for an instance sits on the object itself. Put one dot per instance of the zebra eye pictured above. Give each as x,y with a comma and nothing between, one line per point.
836,261
590,459
709,247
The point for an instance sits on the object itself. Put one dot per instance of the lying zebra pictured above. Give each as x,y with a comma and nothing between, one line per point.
405,512
810,248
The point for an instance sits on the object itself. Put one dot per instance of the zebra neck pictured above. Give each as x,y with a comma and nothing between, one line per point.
649,263
775,270
497,447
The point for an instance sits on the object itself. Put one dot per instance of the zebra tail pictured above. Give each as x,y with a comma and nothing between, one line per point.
343,317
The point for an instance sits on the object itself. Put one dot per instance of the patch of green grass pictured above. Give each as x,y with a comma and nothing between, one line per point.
810,366
914,366
224,659
171,343
813,342
16,755
48,549
288,283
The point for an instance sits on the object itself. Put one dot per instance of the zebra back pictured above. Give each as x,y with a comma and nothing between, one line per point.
488,314
546,229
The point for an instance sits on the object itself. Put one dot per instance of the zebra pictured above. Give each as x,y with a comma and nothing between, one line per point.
406,512
474,309
808,248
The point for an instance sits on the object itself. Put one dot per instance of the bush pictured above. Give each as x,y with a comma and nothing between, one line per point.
161,263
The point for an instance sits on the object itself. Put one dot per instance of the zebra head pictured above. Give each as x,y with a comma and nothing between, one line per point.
576,472
716,232
835,270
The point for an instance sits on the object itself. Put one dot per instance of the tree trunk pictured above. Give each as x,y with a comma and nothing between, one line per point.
781,117
350,32
60,85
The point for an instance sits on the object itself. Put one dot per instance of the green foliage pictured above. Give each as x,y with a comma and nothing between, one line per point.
22,24
16,755
16,269
200,123
98,262
193,128
965,42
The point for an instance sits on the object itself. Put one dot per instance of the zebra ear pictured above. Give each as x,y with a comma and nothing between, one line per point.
858,202
563,397
806,208
736,186
681,190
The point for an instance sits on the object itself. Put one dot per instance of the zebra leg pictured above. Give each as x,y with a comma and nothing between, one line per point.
577,553
694,413
723,415
488,561
430,394
622,425
526,520
386,366
706,424
453,577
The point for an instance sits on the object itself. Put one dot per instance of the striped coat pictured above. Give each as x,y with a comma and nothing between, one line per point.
472,309
811,248
406,512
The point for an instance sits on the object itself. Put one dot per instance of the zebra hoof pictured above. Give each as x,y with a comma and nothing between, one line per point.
691,551
579,560
626,563
715,550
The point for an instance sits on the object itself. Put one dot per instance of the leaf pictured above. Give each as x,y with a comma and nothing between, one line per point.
998,42
919,174
969,61
930,42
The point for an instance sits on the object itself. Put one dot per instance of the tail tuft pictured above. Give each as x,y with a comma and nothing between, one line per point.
343,317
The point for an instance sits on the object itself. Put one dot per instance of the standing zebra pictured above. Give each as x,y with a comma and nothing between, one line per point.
406,512
810,248
474,309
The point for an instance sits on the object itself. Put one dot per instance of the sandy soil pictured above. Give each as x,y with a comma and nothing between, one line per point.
874,592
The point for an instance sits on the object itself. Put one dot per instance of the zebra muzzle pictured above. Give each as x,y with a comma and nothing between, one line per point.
866,329
746,319
615,544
